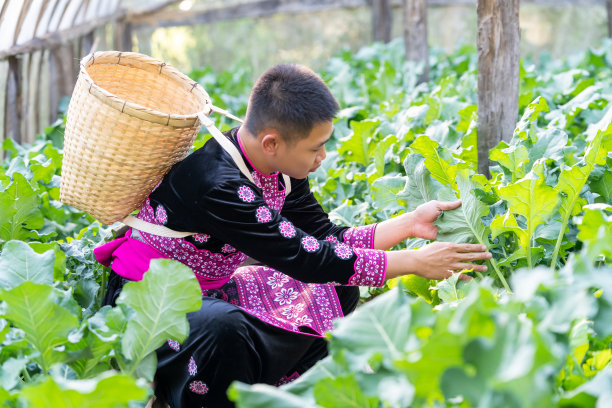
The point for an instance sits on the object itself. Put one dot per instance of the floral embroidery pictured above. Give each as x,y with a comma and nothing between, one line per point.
287,229
277,280
332,238
160,214
370,268
343,251
198,387
192,367
174,345
303,321
310,244
263,214
292,311
246,194
360,237
201,238
286,296
227,248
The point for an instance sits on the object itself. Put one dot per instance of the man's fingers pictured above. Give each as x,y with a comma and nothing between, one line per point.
470,248
449,205
478,268
464,277
474,256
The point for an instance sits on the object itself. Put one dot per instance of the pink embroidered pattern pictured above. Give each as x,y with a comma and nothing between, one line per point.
206,265
292,312
360,237
343,251
287,229
246,194
370,268
227,248
331,238
286,296
192,367
160,214
274,197
174,345
310,244
263,214
300,306
277,280
198,387
201,238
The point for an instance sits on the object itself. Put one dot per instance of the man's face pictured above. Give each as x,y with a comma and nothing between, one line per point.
299,159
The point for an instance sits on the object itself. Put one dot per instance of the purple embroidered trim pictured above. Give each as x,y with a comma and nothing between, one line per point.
160,214
360,237
310,244
287,229
192,367
174,345
198,387
343,251
246,194
370,268
287,379
289,305
263,214
332,238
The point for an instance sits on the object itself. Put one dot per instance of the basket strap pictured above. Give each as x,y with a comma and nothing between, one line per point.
229,147
154,229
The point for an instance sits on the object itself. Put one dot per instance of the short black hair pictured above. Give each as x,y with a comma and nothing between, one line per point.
292,99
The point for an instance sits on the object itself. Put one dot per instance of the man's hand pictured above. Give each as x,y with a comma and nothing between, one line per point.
437,260
426,214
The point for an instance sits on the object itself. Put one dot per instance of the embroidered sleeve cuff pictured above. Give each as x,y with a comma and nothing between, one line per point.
370,268
360,237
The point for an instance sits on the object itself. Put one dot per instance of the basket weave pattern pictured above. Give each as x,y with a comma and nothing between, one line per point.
130,119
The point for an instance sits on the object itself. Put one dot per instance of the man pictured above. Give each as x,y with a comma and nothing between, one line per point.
264,322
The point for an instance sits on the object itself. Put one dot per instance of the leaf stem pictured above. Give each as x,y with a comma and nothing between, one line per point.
500,275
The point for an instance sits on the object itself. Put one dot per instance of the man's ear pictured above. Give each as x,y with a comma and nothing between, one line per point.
270,142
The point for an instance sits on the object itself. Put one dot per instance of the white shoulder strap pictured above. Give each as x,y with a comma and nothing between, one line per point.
229,147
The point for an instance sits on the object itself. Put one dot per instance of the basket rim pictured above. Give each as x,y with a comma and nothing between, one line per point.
135,109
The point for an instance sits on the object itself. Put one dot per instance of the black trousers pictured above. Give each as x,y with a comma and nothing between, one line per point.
227,344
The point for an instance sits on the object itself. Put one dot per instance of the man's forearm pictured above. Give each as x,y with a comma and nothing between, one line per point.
393,231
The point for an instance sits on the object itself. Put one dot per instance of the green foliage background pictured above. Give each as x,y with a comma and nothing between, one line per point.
536,331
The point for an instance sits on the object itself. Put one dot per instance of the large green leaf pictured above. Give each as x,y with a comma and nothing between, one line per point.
533,199
436,162
513,158
159,303
463,224
265,396
342,392
20,263
33,308
380,326
387,195
420,187
20,210
107,390
355,147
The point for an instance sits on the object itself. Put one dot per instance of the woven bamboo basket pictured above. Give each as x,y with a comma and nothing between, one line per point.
131,117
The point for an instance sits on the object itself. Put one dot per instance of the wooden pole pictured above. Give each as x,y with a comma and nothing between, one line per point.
609,7
498,75
381,20
415,34
13,100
